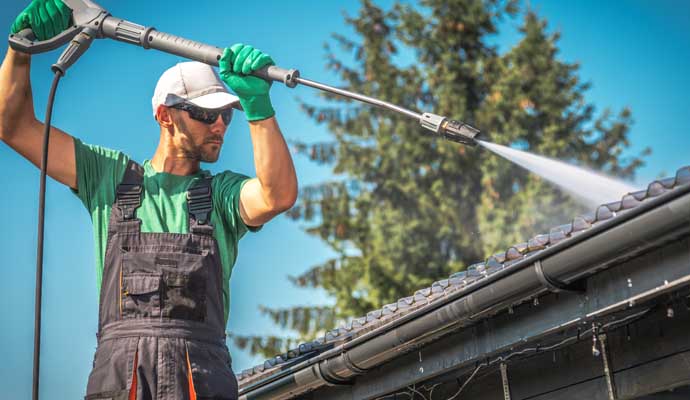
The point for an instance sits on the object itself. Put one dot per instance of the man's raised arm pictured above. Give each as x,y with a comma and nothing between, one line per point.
274,190
19,127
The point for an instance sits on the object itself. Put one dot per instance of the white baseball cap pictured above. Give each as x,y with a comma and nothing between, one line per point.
192,82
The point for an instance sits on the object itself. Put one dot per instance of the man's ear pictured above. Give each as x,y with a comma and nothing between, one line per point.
164,117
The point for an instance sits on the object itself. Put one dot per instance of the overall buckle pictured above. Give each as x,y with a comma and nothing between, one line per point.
200,203
128,199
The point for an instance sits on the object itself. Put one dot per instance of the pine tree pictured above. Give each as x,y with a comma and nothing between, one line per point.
408,209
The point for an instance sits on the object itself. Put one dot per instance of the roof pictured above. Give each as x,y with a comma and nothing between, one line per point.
458,281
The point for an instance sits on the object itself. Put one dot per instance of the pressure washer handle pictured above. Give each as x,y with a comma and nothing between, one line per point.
150,38
25,40
85,14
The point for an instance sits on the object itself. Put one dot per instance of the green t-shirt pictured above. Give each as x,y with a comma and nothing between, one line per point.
164,204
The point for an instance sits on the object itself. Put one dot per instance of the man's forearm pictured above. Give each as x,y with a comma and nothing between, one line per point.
273,163
16,102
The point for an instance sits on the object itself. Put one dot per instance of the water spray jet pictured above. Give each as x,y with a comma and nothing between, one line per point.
591,188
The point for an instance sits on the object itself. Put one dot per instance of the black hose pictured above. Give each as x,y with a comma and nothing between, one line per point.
39,249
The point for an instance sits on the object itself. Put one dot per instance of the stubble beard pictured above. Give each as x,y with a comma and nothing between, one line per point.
194,151
209,156
201,152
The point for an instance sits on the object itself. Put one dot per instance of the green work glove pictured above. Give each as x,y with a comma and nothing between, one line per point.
237,63
47,18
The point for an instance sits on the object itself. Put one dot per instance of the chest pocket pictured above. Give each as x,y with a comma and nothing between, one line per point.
162,284
141,295
159,275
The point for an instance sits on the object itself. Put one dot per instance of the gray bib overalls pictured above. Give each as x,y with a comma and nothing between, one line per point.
161,319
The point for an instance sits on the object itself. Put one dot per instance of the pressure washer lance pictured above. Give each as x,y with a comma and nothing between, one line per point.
91,21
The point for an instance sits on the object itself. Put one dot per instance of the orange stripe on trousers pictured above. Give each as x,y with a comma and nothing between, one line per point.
133,388
192,392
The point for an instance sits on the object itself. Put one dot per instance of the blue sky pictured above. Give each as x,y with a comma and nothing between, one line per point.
635,53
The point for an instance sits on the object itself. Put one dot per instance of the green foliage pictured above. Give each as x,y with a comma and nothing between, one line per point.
407,208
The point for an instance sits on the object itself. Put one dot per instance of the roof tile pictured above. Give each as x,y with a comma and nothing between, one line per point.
389,309
406,302
656,188
538,242
580,224
604,213
669,183
458,279
342,331
614,206
374,315
556,235
498,257
590,217
332,334
683,176
474,271
513,253
629,201
639,195
492,262
440,285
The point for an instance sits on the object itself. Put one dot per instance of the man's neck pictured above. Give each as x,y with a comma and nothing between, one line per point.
172,163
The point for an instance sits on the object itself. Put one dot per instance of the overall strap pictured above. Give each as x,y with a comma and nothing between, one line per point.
200,205
128,196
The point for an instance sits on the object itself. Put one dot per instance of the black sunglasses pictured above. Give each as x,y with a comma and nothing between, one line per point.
205,115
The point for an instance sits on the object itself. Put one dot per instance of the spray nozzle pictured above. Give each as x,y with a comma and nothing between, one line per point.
460,132
451,129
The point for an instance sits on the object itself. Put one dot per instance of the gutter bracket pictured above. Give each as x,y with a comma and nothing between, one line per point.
330,378
504,381
610,382
350,365
555,285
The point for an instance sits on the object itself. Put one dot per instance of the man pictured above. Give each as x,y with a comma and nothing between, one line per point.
166,231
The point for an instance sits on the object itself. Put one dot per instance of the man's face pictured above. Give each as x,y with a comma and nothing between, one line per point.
198,140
